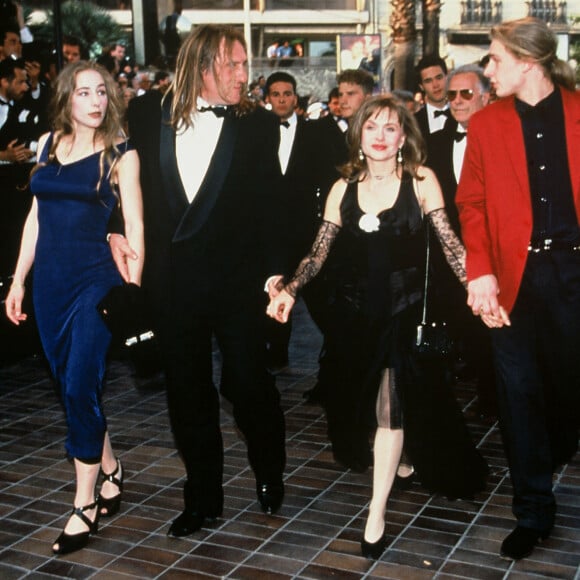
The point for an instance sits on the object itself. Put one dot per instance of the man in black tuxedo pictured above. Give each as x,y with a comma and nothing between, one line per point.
467,92
435,115
354,87
295,198
208,163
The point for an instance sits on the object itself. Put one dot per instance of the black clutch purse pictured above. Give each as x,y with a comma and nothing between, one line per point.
124,311
432,339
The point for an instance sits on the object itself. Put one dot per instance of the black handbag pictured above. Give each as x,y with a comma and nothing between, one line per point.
124,311
432,339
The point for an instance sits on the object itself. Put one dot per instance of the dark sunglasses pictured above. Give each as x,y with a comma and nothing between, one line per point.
466,94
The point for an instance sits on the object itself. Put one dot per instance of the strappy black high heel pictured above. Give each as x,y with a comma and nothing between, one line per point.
112,504
68,543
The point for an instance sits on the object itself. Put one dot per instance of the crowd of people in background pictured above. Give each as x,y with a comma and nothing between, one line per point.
341,202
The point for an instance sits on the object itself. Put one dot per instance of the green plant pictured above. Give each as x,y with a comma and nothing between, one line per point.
92,25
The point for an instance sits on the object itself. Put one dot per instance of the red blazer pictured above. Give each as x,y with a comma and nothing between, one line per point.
493,195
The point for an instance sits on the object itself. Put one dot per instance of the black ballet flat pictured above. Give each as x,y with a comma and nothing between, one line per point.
112,504
68,543
374,550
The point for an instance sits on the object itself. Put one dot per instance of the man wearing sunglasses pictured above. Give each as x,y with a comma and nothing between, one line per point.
467,92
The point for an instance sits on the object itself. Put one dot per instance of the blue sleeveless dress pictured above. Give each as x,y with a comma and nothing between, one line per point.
73,271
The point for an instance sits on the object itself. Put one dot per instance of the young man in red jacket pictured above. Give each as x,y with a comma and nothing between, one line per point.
519,205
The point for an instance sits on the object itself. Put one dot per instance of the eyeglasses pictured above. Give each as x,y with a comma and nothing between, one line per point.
466,94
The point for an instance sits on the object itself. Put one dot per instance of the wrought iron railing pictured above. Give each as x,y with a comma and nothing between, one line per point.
550,11
481,12
311,4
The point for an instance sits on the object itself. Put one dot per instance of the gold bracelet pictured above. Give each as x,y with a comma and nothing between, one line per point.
17,285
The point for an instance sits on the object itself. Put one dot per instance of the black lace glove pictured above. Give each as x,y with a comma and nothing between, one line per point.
311,264
452,247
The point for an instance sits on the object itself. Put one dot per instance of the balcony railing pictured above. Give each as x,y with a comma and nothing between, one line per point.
311,4
549,11
481,12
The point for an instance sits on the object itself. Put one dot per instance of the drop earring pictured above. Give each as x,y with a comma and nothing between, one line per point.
400,156
361,155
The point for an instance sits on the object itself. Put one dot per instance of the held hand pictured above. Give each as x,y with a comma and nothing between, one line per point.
482,298
14,305
122,251
280,306
496,321
275,285
482,295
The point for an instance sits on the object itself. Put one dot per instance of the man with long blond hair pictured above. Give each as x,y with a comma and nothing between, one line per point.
519,207
208,169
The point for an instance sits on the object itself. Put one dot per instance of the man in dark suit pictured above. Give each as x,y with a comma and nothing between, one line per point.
519,206
431,74
354,87
295,198
208,164
467,93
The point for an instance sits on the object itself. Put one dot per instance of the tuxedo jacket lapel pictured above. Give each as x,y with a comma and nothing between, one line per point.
201,206
170,173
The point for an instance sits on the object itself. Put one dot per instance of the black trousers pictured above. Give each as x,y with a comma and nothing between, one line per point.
539,381
194,406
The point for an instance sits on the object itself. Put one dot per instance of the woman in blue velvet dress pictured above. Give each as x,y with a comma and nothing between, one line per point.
373,228
86,167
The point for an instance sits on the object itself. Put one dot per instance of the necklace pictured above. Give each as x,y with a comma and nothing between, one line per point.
380,177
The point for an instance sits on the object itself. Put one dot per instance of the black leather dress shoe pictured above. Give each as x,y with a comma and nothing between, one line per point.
521,543
270,496
187,523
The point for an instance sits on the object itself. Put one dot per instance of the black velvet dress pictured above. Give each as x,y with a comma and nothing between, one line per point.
378,278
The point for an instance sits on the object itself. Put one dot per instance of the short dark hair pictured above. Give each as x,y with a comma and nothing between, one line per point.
6,28
160,75
280,77
71,40
333,94
428,61
8,67
359,77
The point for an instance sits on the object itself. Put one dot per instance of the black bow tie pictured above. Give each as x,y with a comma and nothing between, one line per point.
459,135
285,124
441,112
218,111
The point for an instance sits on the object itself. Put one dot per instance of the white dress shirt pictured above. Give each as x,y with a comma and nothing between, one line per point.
194,148
436,123
287,135
459,153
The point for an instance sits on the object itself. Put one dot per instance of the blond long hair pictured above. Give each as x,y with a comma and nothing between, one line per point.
108,132
197,55
530,38
413,149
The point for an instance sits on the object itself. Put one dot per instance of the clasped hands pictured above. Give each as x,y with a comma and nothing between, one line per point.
482,299
281,302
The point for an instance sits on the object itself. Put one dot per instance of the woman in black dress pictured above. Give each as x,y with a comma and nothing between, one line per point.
373,223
